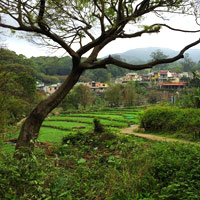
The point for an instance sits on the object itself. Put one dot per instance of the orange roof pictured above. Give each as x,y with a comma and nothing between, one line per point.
183,83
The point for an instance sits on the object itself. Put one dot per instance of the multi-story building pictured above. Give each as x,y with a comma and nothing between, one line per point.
129,77
165,75
96,86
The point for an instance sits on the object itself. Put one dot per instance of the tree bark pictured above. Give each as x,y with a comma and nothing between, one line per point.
31,127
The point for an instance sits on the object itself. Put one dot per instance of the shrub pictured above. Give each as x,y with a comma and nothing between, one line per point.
22,179
104,166
98,128
166,119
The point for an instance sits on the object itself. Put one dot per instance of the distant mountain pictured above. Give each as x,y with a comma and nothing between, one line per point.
144,54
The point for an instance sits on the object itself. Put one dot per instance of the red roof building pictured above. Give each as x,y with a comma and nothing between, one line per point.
172,85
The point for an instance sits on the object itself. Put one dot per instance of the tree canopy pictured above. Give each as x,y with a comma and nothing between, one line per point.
17,87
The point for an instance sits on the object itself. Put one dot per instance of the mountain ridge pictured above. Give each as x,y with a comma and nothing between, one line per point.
144,54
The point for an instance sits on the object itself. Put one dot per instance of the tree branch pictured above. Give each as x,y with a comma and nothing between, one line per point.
139,33
110,60
41,22
176,29
155,28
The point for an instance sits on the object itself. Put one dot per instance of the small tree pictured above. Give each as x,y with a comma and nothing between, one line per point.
129,94
158,55
80,95
187,64
63,23
114,94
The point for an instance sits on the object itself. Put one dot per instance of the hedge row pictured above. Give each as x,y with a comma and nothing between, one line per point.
167,119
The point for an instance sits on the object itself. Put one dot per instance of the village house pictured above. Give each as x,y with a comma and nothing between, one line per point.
95,86
155,77
48,89
165,75
146,77
129,77
39,85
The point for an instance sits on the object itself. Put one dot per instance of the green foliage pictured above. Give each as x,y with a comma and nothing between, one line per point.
189,98
129,94
195,82
52,65
99,75
170,120
158,55
178,68
187,64
79,96
113,94
17,87
49,67
176,169
23,179
153,97
103,166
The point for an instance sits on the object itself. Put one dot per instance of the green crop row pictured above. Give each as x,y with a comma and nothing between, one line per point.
64,125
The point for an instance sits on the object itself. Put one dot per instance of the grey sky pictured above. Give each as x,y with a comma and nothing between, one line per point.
166,38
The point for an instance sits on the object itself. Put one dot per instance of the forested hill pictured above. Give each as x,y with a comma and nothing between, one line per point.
54,66
53,69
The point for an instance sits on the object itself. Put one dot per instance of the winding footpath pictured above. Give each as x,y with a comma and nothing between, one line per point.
130,129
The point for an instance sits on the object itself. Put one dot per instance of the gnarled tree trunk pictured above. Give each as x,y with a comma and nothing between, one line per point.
31,127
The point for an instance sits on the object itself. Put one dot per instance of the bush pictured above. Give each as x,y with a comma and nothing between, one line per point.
24,179
166,119
98,127
189,98
176,169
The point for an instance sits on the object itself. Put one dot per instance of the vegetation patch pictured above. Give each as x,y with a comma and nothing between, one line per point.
172,120
104,165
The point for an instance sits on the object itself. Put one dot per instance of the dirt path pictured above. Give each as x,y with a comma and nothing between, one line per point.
153,137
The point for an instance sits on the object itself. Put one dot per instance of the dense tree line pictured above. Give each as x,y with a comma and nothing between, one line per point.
50,69
17,87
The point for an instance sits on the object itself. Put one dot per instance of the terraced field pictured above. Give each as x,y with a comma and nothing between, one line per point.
55,127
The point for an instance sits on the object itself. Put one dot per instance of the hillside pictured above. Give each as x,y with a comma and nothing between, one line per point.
143,54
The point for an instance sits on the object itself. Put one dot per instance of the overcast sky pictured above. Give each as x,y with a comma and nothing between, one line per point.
166,38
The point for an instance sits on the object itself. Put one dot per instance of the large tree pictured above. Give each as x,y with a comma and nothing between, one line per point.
158,55
61,24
